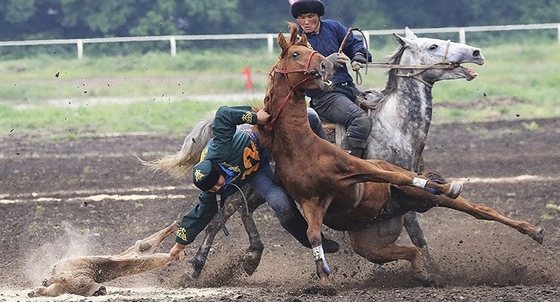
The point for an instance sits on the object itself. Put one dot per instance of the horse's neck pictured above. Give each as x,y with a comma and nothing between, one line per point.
409,106
292,123
401,123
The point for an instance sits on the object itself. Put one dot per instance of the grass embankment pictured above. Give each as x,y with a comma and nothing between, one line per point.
156,92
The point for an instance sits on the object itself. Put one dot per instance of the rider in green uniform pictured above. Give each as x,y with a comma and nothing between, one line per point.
234,157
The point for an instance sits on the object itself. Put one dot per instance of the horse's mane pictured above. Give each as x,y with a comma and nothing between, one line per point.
266,136
375,98
393,59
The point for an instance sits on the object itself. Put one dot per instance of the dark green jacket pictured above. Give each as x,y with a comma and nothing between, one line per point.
235,150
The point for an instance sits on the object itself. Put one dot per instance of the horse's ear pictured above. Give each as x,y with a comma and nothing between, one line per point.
293,33
303,40
399,39
409,34
282,42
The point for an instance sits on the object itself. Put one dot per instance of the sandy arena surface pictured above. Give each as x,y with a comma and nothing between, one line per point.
92,196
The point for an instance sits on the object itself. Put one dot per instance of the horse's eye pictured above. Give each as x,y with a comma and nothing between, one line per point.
433,47
295,55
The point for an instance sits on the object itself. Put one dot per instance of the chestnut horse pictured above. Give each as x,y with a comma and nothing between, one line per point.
326,181
362,228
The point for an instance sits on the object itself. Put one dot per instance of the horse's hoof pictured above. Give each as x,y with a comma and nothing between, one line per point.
251,261
455,190
101,291
197,266
191,276
425,278
538,235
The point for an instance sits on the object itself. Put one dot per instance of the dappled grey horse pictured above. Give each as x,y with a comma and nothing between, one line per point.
402,111
401,114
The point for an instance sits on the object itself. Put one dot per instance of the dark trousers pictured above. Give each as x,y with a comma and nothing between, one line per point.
338,106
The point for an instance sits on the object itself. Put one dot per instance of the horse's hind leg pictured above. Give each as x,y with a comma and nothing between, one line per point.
477,210
377,244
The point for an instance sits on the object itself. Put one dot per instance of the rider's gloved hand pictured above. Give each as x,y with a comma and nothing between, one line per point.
360,58
338,59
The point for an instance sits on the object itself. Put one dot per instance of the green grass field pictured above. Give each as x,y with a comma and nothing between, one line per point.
156,92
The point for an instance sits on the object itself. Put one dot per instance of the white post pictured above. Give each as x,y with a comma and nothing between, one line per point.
462,38
173,46
270,40
558,33
80,46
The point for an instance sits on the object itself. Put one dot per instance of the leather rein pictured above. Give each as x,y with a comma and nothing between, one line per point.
444,64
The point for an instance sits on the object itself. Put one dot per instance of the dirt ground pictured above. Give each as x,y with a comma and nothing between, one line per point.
92,196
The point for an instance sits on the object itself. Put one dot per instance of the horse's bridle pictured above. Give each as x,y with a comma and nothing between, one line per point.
311,74
444,65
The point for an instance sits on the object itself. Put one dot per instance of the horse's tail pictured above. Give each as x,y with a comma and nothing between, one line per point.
180,164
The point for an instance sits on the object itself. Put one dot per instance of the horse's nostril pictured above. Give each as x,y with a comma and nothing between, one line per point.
476,53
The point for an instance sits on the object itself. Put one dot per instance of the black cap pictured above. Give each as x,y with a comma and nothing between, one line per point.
307,6
206,174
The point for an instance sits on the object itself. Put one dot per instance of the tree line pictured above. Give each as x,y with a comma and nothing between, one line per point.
62,19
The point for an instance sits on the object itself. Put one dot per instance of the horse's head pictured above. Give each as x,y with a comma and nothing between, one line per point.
304,68
442,59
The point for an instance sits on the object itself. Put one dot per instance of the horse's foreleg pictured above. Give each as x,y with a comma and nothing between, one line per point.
252,258
416,234
314,214
199,260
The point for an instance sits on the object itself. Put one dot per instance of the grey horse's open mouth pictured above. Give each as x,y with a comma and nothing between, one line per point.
467,72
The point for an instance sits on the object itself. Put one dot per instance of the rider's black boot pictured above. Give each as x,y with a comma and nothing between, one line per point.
346,146
297,227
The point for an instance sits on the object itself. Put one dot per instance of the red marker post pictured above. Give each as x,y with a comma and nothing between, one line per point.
247,72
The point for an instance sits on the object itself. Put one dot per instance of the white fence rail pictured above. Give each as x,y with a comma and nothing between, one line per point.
270,37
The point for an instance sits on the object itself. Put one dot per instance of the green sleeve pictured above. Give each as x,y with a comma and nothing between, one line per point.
227,119
197,218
